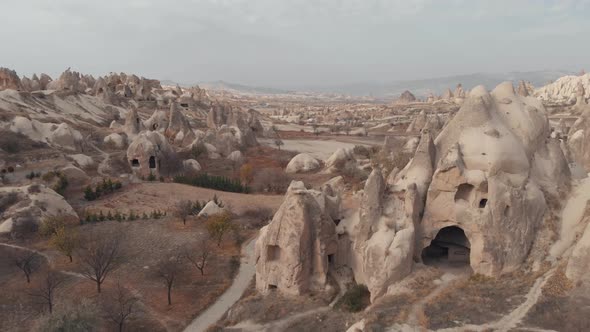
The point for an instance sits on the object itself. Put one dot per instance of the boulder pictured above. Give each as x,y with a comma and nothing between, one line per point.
82,160
210,209
191,165
340,159
302,163
116,140
236,157
33,202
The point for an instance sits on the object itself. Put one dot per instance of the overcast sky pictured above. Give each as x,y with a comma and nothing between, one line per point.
290,43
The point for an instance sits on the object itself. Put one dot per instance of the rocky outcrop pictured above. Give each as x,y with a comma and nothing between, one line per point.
150,153
418,122
525,89
68,80
179,130
578,142
9,80
302,163
492,161
295,252
133,124
59,135
406,97
340,160
32,203
565,89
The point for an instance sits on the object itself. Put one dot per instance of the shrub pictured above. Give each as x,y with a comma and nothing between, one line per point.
151,177
213,182
361,150
24,227
355,299
198,150
102,188
272,180
93,217
61,185
7,200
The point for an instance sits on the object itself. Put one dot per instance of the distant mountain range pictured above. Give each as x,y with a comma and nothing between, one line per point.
420,88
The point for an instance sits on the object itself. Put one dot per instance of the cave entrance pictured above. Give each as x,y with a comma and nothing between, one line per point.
152,162
135,163
449,247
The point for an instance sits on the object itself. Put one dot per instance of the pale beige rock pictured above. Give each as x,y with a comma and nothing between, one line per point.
296,250
492,159
302,163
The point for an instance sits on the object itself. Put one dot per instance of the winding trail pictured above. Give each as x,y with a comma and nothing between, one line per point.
231,295
417,310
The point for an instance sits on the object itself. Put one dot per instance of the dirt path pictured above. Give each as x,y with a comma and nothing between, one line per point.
277,325
417,310
231,295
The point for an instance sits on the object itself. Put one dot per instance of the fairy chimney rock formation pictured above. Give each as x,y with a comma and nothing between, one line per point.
295,251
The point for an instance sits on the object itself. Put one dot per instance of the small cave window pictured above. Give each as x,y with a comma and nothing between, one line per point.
507,211
273,253
137,120
483,202
331,259
152,162
464,192
272,287
337,221
155,126
135,163
184,105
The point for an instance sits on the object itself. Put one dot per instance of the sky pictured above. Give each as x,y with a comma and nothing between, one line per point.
294,43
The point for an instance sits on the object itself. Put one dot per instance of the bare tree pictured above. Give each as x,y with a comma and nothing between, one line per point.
46,290
119,306
218,225
168,271
28,262
279,143
99,257
183,209
199,257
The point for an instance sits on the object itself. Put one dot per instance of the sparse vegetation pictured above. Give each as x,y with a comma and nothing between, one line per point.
107,186
213,182
28,262
355,299
218,225
99,256
93,217
184,208
45,291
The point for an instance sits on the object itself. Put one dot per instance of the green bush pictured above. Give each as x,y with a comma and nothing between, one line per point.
213,182
103,188
93,217
355,299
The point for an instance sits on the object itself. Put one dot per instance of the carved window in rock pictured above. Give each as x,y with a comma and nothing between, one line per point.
273,253
135,163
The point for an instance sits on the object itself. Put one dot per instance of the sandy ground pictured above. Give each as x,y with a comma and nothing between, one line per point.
320,149
163,196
